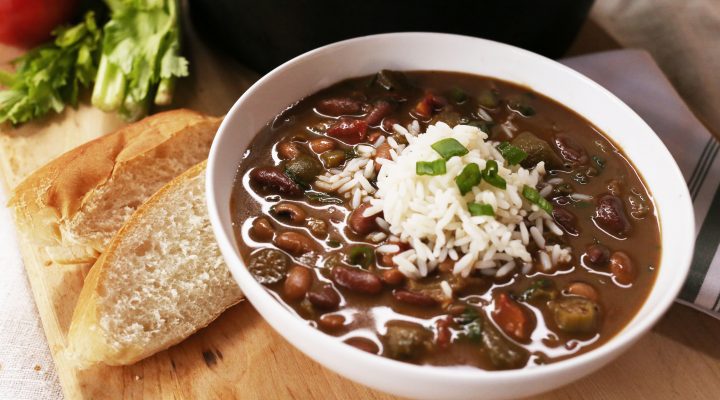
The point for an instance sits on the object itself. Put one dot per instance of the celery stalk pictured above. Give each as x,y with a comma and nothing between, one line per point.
165,90
109,91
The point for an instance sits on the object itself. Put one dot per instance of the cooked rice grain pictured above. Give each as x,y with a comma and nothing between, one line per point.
430,214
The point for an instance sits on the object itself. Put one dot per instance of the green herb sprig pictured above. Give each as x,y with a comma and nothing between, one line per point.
534,197
133,62
477,210
51,76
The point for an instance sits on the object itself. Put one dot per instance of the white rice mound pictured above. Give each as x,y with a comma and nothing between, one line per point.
430,214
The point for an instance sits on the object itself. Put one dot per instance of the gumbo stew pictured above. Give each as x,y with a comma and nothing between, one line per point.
447,219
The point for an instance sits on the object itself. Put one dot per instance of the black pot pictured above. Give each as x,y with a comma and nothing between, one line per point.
265,33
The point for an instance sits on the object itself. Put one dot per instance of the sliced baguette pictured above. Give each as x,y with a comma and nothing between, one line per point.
77,202
161,279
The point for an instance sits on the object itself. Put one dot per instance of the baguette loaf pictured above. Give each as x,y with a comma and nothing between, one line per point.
77,202
161,279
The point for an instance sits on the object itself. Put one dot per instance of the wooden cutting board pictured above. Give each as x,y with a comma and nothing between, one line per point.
239,355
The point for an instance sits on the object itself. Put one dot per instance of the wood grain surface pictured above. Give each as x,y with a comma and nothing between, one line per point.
239,355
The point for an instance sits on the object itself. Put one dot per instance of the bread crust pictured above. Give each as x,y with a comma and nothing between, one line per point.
46,202
87,342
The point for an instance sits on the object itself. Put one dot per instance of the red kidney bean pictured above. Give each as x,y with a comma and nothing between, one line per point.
583,289
340,106
291,211
363,344
287,150
414,298
598,255
566,220
295,243
273,178
388,123
321,145
297,282
331,321
380,110
610,215
436,101
317,227
387,257
262,230
446,266
622,268
457,309
299,137
393,276
382,151
324,297
361,224
570,150
356,280
372,137
350,131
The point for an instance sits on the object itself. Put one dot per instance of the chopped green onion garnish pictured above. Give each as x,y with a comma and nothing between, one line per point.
490,174
449,148
534,197
469,177
433,168
512,154
477,209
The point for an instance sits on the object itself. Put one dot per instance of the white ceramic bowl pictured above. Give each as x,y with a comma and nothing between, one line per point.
323,67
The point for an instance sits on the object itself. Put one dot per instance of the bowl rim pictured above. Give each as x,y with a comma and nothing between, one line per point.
621,340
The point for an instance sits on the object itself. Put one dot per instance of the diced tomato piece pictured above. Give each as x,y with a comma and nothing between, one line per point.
511,318
350,131
429,104
444,336
424,108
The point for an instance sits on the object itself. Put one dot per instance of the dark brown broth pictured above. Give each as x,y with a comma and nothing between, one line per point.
367,314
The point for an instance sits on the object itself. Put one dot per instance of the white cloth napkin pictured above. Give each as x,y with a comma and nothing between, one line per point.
26,367
633,76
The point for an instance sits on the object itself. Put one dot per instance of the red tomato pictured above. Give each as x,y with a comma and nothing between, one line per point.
511,318
26,23
350,131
